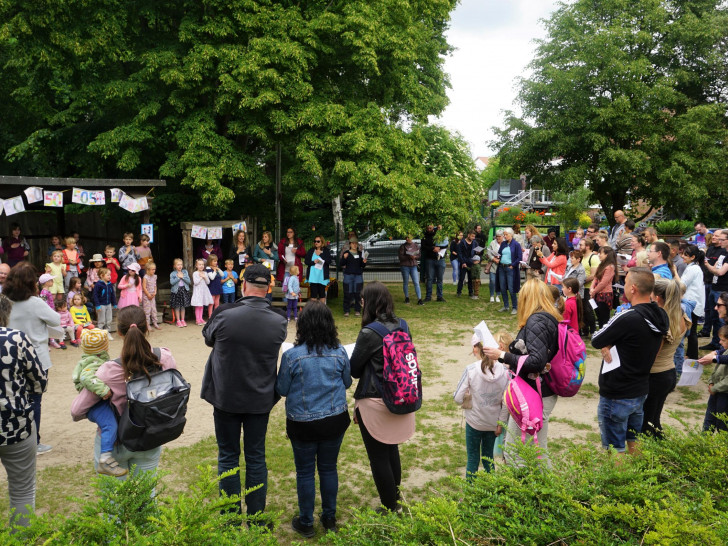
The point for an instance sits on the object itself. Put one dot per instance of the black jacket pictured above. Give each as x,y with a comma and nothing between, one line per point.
325,256
637,333
368,360
351,265
240,373
427,244
539,339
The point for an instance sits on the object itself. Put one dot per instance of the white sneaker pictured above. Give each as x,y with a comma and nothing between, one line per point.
514,311
42,448
109,334
492,299
497,299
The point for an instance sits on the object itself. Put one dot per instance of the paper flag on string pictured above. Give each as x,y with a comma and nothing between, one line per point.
88,197
214,232
133,205
148,230
116,194
13,205
199,232
240,226
1,206
34,194
52,199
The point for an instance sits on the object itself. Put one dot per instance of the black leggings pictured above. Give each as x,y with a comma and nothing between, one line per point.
603,312
661,384
385,465
692,349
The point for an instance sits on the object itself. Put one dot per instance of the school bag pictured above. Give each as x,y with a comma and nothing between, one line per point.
524,403
401,385
156,409
568,364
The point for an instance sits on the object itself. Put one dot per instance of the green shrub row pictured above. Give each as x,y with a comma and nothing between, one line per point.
674,227
673,493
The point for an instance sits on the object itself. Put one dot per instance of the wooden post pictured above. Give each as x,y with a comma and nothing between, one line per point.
187,257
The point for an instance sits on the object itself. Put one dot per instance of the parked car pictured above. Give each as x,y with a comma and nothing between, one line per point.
382,251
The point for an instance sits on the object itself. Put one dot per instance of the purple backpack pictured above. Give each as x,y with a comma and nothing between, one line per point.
568,364
401,385
524,404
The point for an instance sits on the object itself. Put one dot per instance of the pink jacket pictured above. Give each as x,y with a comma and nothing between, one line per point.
112,374
605,283
66,318
556,267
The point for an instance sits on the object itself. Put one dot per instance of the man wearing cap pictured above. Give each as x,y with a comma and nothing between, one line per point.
239,380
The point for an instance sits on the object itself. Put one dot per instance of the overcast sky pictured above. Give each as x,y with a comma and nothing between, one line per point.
493,41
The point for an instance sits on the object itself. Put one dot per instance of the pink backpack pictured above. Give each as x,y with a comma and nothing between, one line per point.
524,404
401,388
568,364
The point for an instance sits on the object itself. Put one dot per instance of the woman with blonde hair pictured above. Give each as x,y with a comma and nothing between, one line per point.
538,337
240,253
266,251
663,375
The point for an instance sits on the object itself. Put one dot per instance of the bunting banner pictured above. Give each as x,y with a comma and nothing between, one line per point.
214,232
199,232
116,194
13,205
52,199
33,194
88,197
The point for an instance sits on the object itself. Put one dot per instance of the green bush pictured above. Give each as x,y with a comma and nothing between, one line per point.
508,217
128,512
673,493
674,227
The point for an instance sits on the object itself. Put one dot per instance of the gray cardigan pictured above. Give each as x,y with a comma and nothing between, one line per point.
33,317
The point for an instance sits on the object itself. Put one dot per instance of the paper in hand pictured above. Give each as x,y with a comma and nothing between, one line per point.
691,373
483,333
349,349
593,303
285,346
614,364
478,249
442,252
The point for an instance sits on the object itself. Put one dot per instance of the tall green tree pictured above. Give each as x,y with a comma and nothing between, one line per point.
203,92
629,98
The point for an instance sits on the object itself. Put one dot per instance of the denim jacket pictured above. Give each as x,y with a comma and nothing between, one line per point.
314,384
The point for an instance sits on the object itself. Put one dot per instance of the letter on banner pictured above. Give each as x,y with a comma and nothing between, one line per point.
127,203
88,197
13,205
34,194
240,226
214,233
199,232
116,194
52,199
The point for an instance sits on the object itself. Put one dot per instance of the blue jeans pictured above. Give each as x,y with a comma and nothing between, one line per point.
455,265
436,272
103,415
142,461
620,420
716,321
227,298
307,456
352,290
227,431
505,278
407,272
709,310
492,280
479,445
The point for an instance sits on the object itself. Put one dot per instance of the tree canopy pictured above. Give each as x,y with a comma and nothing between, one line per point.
202,92
629,98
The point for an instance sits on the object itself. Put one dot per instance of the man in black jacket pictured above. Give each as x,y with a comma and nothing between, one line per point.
434,263
239,381
636,334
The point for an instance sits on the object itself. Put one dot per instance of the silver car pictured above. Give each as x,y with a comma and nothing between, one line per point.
382,251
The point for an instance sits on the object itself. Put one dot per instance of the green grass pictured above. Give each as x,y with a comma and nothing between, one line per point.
570,422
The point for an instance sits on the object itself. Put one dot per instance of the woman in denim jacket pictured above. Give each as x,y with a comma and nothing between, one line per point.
314,376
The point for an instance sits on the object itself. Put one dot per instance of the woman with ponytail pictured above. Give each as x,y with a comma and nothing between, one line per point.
663,375
137,358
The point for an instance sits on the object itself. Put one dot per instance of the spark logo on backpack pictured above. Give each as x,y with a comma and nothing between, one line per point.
401,385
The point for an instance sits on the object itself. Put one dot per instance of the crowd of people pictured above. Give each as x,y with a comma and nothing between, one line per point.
657,293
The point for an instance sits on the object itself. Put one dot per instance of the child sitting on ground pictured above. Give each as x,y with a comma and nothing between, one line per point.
480,392
95,345
67,325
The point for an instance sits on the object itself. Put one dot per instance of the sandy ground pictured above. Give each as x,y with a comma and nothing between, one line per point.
73,441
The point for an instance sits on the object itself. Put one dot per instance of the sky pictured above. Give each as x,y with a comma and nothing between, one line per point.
494,41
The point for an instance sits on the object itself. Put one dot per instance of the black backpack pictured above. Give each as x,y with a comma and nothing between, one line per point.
156,409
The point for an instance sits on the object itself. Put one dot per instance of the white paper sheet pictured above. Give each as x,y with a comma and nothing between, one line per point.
691,373
478,249
593,303
319,265
614,364
484,335
442,252
365,255
349,349
285,346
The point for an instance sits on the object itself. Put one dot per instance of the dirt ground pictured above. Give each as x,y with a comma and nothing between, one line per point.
73,441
